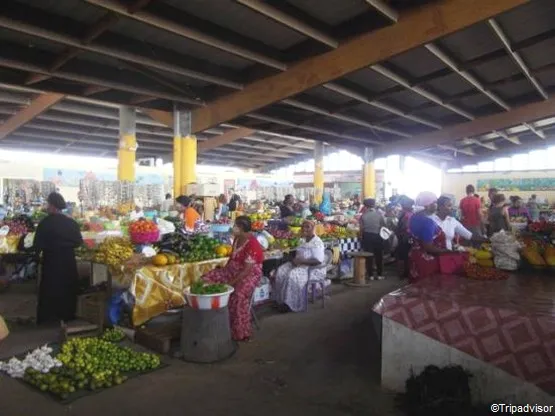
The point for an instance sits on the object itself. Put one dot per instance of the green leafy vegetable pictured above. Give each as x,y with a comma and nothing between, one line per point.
201,288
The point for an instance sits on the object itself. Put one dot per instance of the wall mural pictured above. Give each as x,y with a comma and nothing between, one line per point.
516,185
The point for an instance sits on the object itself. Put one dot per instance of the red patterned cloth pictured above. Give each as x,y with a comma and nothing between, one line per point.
249,254
509,324
421,263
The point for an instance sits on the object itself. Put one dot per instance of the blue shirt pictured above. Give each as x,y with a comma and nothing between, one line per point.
423,227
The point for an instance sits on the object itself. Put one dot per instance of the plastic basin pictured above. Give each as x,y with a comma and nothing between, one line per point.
207,302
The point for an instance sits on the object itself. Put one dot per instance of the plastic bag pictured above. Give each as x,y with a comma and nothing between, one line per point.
505,249
166,227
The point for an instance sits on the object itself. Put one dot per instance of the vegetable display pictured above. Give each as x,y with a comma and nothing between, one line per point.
113,251
83,363
201,248
113,335
201,288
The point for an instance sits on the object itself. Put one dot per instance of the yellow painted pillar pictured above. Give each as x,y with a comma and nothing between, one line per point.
318,172
368,175
184,152
177,166
188,160
127,144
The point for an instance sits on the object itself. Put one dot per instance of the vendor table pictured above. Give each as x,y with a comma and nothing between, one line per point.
508,324
158,289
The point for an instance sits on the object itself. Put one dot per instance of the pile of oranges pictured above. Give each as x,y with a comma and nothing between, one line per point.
142,226
143,232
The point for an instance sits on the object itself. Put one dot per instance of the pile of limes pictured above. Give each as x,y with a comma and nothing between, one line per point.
113,335
201,248
90,363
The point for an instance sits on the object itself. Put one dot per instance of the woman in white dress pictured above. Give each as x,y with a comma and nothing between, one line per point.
292,277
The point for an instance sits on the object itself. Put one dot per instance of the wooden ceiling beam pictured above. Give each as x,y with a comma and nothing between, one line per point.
479,126
38,105
228,137
414,29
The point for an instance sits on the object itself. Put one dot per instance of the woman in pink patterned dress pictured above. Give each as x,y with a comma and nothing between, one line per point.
243,271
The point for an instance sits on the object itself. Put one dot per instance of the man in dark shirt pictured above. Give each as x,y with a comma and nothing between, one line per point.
286,209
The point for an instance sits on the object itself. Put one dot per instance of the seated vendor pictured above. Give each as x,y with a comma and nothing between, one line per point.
450,226
287,208
187,212
292,277
243,271
428,238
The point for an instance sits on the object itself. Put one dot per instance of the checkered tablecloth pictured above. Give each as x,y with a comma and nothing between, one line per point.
349,245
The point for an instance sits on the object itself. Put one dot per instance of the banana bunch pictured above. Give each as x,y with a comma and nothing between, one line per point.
336,255
113,251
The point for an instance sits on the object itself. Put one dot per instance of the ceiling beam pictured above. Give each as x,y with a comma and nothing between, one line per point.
90,80
289,21
116,53
516,57
37,106
418,27
471,79
187,32
483,125
384,9
228,137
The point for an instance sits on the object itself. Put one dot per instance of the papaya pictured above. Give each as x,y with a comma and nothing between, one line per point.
533,257
485,262
483,255
549,255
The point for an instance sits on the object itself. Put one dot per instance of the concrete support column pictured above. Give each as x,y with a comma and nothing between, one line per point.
184,152
318,172
402,186
127,144
368,174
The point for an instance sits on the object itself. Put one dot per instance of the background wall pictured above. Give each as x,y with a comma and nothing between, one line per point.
518,183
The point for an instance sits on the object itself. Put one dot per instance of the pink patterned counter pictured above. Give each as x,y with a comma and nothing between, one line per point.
509,324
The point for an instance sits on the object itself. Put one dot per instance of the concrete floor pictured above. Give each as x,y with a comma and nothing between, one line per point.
324,362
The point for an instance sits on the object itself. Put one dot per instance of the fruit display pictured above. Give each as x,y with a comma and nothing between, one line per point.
258,225
201,248
165,259
113,335
143,231
201,288
336,232
260,217
476,272
113,251
296,222
19,226
541,227
549,255
89,363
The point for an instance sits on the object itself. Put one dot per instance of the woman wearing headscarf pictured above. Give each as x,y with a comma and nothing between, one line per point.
428,238
57,237
292,277
243,271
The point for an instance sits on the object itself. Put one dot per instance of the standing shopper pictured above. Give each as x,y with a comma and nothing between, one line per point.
471,216
371,223
57,237
403,236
